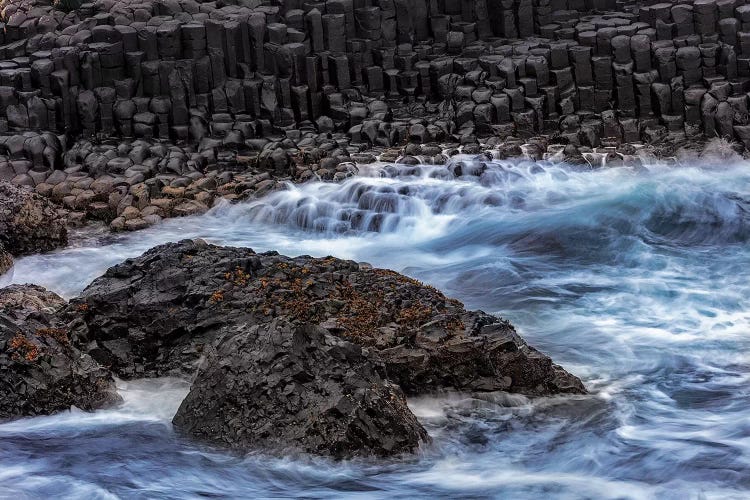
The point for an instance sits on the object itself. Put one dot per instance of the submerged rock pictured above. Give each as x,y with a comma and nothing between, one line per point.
29,223
155,314
292,388
42,372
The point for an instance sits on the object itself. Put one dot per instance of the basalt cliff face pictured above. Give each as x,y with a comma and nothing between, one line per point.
287,354
129,112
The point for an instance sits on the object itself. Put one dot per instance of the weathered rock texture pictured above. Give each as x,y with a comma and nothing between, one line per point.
299,354
297,388
29,223
382,70
288,355
226,74
41,372
155,314
6,260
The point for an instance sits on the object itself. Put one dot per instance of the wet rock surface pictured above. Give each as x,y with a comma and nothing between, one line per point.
6,260
28,222
292,388
155,315
41,371
286,354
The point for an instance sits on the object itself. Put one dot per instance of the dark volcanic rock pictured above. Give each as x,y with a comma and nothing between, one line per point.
487,356
41,371
28,222
280,88
292,388
298,354
6,260
155,314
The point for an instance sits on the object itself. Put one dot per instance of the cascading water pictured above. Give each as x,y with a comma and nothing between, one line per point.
637,280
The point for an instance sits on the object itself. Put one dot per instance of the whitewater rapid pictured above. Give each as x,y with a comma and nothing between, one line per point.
637,280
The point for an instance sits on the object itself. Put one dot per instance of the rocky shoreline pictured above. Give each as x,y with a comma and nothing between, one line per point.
29,224
129,112
286,354
136,184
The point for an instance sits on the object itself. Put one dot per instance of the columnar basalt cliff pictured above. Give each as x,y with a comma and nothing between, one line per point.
130,111
228,73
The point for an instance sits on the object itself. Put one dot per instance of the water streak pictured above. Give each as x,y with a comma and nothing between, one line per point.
636,279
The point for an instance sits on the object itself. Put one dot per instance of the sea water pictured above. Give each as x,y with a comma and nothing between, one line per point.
635,279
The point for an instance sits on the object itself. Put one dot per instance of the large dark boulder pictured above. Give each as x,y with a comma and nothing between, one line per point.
298,354
154,315
41,371
297,388
29,223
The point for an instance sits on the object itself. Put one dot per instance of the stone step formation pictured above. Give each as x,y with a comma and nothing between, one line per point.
271,81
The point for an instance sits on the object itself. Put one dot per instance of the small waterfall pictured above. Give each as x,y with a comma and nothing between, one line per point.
596,159
414,200
397,197
530,151
555,153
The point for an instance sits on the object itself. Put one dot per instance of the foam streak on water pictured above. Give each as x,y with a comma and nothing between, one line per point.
638,280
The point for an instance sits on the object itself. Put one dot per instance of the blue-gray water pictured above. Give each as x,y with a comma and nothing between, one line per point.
637,280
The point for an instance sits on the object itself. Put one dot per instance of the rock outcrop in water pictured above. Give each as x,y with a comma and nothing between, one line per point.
296,388
29,223
41,371
299,353
288,354
154,315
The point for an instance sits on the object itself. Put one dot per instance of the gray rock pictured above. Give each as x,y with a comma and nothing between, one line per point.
6,260
163,309
28,222
43,373
289,388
